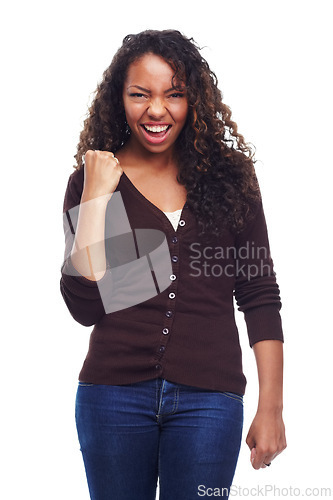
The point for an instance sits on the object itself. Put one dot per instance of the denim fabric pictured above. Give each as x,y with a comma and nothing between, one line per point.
133,435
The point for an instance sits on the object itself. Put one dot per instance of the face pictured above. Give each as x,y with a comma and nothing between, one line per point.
155,111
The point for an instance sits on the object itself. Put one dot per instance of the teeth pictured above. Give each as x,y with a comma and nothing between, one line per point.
156,128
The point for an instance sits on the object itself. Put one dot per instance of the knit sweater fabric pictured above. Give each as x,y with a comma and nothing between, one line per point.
185,331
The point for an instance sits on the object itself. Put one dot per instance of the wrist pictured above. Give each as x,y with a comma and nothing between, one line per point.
270,407
96,199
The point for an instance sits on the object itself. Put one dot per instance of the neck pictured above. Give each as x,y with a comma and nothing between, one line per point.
156,162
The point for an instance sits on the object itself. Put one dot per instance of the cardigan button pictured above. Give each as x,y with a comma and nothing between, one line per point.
158,367
173,277
165,331
172,295
169,314
174,258
182,222
174,239
162,348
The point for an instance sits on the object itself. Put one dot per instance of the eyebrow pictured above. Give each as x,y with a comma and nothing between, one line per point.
149,91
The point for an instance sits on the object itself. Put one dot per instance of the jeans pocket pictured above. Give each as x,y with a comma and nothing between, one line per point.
233,395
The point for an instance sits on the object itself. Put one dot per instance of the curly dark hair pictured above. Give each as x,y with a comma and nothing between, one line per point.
216,166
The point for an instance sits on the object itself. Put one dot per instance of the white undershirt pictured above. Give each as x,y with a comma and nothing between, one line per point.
174,217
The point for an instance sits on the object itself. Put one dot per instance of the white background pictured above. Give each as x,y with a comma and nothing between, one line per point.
273,62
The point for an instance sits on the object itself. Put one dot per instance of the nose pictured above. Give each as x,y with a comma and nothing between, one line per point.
156,108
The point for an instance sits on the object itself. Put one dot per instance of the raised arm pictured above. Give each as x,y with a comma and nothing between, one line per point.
102,174
86,199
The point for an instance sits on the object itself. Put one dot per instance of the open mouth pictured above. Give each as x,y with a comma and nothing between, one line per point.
156,133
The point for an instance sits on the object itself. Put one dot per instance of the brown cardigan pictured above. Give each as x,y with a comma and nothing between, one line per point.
185,331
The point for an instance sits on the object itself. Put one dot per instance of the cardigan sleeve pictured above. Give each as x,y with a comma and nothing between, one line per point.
82,296
256,291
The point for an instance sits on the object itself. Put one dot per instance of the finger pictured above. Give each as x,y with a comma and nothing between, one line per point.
253,455
107,156
250,441
258,459
110,155
266,463
269,458
89,155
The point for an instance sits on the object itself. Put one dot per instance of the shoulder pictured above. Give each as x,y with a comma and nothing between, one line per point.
74,189
255,229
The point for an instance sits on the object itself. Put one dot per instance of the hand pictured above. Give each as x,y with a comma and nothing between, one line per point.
102,173
266,438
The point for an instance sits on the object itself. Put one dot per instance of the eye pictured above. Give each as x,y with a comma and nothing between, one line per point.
176,95
137,96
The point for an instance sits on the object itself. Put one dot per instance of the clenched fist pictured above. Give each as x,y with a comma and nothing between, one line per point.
102,173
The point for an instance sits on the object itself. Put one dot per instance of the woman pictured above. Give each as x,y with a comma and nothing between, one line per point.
164,225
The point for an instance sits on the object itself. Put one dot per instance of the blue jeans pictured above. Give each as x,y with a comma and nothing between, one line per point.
133,435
